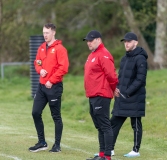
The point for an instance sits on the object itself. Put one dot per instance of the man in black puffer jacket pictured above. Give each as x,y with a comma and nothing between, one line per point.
130,93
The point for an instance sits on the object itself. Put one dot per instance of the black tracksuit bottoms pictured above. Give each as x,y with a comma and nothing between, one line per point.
136,124
100,113
52,96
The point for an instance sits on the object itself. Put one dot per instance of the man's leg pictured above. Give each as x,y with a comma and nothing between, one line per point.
137,128
96,124
101,110
116,124
54,98
39,104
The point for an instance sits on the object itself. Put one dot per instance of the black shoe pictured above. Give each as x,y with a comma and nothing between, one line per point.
55,148
38,147
96,158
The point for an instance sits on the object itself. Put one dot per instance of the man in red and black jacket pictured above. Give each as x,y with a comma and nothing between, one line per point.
51,64
100,80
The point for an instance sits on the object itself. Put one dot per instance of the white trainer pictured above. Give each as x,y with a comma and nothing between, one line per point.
132,154
112,153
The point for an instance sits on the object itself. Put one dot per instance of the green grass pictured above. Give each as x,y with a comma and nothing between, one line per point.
79,141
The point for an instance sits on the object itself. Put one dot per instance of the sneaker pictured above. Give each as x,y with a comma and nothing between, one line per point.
97,158
112,153
132,154
38,147
55,148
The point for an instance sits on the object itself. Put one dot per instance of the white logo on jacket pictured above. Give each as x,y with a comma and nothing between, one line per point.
106,57
53,100
98,107
53,50
42,49
93,59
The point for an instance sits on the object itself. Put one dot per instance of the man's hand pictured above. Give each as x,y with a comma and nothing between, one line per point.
116,92
48,84
43,72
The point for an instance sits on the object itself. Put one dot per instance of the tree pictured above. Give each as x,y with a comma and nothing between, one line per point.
161,32
134,27
74,19
0,28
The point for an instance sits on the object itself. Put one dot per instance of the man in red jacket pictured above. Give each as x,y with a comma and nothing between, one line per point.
51,64
100,80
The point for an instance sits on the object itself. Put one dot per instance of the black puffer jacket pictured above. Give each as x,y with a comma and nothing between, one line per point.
132,82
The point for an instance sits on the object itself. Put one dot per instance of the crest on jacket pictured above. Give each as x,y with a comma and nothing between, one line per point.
53,50
93,59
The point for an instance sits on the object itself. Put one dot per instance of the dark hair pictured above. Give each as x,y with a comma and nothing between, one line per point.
50,25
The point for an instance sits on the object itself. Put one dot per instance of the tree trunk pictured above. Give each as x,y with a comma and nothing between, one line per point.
0,29
134,28
161,32
0,12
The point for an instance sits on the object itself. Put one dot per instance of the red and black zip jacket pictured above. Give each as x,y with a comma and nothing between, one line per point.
54,60
100,77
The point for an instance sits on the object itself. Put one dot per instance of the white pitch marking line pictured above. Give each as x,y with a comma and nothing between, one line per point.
65,146
75,149
8,156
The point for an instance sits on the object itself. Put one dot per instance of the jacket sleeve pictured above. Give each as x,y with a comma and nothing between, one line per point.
37,67
108,67
141,73
63,64
119,72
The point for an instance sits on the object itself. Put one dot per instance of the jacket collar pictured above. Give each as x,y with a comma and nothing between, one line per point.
56,42
99,47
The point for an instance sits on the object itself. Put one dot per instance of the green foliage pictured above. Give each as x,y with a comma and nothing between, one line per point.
12,35
145,15
73,19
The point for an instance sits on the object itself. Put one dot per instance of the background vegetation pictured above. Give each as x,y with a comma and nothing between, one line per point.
20,19
79,141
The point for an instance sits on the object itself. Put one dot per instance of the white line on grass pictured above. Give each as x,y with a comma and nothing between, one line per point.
65,146
75,149
8,156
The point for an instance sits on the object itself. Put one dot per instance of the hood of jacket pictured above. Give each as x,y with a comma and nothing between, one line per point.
137,51
56,42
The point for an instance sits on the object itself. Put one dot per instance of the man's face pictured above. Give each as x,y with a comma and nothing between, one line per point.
92,45
48,34
130,45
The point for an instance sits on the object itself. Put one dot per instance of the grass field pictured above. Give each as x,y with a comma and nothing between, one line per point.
79,141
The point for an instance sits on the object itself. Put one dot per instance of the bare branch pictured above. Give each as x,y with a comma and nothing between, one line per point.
83,16
133,26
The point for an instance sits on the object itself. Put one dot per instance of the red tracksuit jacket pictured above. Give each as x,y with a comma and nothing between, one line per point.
100,78
54,60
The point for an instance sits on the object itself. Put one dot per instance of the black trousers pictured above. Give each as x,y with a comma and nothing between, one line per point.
136,124
100,112
52,96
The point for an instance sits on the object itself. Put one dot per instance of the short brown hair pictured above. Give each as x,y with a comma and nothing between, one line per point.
50,25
